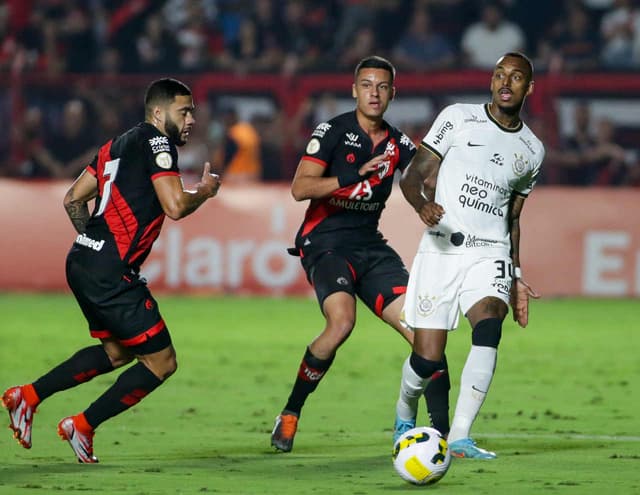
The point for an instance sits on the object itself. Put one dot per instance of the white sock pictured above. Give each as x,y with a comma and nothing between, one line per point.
474,385
411,389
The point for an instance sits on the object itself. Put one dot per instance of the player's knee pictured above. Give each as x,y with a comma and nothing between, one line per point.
487,333
424,368
341,323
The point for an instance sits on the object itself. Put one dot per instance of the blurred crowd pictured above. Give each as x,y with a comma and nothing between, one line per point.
289,37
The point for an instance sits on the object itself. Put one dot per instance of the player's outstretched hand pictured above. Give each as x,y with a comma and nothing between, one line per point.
210,183
431,213
520,294
373,164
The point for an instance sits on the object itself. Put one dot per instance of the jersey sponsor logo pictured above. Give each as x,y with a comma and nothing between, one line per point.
475,192
446,127
159,144
83,240
354,205
473,241
164,160
406,141
485,184
519,165
352,140
498,159
528,144
342,281
474,118
313,147
478,204
321,130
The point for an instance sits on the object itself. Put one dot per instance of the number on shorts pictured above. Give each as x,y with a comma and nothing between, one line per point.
504,269
110,171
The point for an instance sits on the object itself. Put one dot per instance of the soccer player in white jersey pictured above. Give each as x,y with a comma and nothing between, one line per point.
468,183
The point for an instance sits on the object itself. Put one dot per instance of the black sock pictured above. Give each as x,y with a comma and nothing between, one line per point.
310,373
79,368
130,388
437,396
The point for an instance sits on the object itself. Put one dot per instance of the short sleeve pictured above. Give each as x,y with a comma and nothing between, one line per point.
440,136
160,156
322,143
528,182
407,150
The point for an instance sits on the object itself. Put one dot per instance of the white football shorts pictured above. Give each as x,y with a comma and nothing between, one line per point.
441,285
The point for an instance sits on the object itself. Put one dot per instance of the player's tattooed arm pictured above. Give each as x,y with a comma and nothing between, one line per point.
83,190
418,185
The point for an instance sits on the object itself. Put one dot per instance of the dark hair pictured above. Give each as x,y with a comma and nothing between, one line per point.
376,62
164,91
521,56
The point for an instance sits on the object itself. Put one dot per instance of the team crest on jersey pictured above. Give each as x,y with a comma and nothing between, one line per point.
159,144
520,165
321,130
383,169
164,160
426,305
313,147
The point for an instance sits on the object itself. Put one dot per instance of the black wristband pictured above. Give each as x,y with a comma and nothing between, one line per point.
349,177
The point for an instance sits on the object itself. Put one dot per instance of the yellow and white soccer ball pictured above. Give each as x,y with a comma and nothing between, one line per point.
421,456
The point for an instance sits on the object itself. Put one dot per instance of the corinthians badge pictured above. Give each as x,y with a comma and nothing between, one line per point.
520,165
426,305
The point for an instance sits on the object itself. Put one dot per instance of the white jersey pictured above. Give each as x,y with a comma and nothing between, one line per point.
483,163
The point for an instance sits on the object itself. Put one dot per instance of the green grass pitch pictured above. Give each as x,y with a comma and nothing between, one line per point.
562,413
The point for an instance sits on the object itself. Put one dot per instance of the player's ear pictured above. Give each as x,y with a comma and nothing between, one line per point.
393,92
157,114
530,88
353,91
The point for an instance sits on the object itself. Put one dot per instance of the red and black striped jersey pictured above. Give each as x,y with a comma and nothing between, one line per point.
352,213
127,216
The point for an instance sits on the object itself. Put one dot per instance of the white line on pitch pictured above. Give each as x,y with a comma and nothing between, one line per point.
568,436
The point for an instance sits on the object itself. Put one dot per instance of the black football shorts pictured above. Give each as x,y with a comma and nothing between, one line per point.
119,306
375,273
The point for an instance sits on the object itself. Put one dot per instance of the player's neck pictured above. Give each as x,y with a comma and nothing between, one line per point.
510,121
373,127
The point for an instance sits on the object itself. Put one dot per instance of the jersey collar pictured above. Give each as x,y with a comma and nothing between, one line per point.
505,129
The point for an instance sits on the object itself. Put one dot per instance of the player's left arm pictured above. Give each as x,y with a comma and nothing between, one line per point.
76,201
520,290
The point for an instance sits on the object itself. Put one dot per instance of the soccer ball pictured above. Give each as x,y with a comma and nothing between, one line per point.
421,456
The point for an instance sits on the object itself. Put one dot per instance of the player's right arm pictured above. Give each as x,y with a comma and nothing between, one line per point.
418,185
76,201
178,202
309,182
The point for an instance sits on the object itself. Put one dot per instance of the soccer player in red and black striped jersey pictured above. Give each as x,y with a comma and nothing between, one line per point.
135,182
347,173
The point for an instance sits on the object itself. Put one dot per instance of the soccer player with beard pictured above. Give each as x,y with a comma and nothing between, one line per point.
347,175
135,181
468,183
